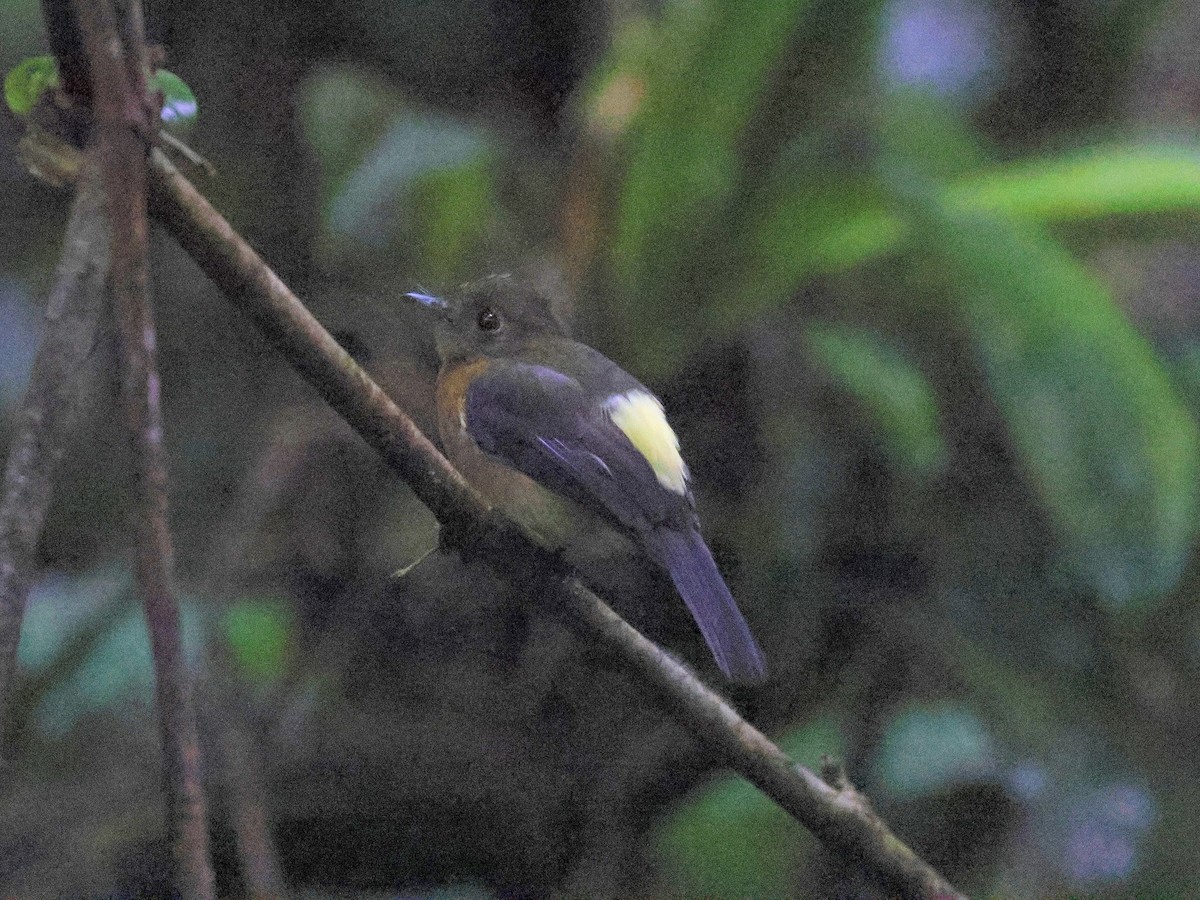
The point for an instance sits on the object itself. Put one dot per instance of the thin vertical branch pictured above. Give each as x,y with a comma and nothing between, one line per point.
50,410
123,118
225,714
246,796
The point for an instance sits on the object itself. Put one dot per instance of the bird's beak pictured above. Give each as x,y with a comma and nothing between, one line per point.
437,304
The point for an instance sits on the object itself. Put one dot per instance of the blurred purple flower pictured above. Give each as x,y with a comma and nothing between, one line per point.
947,45
1105,831
1127,805
1027,779
1098,853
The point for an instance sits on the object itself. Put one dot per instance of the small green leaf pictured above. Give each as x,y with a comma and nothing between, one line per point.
32,78
929,748
25,84
259,633
179,103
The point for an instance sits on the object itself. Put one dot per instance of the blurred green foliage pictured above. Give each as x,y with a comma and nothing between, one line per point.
398,176
260,635
85,649
1103,434
727,202
731,841
681,149
962,480
892,390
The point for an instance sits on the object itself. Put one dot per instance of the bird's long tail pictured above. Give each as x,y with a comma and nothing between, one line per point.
687,558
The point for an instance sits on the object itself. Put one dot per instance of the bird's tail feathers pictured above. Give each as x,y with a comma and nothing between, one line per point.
687,558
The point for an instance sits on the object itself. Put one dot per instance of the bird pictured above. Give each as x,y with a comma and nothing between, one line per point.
566,442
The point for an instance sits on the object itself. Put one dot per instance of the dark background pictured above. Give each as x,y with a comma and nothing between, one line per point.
918,282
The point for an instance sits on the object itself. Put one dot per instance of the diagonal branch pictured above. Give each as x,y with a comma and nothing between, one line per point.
838,815
53,401
123,116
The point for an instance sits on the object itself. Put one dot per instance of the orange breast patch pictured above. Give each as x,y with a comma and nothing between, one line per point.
452,385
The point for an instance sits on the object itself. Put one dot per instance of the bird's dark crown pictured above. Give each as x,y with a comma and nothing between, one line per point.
491,317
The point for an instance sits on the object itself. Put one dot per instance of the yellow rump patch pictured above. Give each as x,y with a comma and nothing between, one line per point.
640,416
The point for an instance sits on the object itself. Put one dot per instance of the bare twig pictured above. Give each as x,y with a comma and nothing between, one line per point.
225,716
123,121
837,814
245,796
50,410
841,817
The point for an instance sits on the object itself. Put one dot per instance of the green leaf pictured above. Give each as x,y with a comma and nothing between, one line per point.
931,132
25,84
929,748
454,207
890,388
414,147
694,97
817,226
1109,446
731,841
700,91
1104,181
344,114
259,633
179,103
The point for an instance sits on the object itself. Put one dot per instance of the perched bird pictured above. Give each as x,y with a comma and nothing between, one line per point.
557,435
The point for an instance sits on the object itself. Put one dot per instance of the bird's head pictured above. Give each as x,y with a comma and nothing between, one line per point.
494,317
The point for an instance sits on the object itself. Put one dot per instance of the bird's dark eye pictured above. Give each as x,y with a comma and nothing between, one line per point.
489,319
